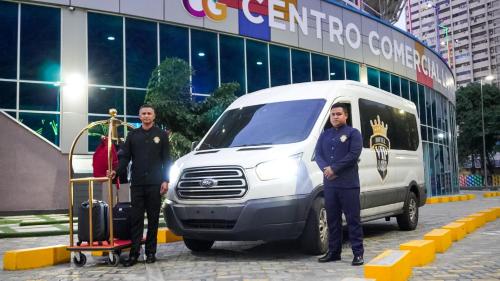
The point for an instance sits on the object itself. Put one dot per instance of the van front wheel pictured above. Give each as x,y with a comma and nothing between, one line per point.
314,239
197,245
408,220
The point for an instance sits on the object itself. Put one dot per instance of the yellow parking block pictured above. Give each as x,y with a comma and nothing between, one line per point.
432,200
391,265
458,230
444,199
35,257
481,218
487,194
166,236
471,196
463,197
422,252
442,238
470,224
497,211
490,215
454,198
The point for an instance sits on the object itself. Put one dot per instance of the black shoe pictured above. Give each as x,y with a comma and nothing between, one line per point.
329,256
150,258
358,260
131,261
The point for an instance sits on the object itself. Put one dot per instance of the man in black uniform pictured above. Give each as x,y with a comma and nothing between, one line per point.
337,154
147,147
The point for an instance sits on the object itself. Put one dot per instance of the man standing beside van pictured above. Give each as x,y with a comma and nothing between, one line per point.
148,148
337,153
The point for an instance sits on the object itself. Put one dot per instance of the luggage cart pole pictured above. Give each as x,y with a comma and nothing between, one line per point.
71,203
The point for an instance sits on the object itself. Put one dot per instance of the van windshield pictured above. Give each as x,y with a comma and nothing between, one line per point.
264,124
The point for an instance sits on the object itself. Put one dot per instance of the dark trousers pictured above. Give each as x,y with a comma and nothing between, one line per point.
338,201
145,198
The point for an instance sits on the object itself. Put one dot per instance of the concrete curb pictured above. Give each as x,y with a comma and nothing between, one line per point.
46,256
450,198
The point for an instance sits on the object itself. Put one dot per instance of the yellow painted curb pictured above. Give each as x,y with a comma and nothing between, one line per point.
35,257
166,236
458,230
444,199
471,196
490,215
454,198
432,200
442,237
470,224
422,252
481,218
463,197
497,211
99,253
391,265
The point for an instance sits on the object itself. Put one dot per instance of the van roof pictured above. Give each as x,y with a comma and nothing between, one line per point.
320,89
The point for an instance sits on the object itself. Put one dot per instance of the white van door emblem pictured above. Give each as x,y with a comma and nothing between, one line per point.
381,145
207,183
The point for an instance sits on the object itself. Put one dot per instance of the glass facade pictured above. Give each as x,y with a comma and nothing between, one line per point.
122,52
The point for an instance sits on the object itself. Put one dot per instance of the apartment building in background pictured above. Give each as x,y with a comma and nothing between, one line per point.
465,32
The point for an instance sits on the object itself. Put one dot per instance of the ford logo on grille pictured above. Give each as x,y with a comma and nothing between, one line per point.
207,183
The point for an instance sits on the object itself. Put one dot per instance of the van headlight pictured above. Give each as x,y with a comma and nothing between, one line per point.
281,167
174,173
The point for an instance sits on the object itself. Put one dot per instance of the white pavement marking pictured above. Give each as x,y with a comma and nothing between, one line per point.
153,272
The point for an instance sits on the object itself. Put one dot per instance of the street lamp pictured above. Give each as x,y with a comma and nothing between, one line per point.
487,78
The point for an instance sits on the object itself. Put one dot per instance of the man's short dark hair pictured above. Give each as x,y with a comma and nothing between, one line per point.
147,106
341,105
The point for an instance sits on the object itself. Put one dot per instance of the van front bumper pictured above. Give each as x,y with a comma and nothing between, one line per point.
262,219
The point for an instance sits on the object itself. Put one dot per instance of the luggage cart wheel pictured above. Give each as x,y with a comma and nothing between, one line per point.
79,259
114,258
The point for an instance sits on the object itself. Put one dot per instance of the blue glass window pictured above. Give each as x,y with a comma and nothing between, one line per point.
421,105
8,40
135,98
105,50
428,107
337,69
280,65
204,61
95,133
198,98
301,66
352,71
40,43
395,85
8,95
101,99
174,42
405,89
385,81
232,61
46,125
319,67
43,97
414,94
257,63
373,77
141,51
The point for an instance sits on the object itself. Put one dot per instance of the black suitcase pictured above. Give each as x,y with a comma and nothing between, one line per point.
121,220
99,222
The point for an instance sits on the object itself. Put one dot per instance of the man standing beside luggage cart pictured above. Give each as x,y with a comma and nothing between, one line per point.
148,148
337,153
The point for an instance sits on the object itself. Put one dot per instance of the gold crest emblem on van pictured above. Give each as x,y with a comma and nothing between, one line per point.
381,145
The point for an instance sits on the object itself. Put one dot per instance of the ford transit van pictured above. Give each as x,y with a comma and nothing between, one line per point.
253,175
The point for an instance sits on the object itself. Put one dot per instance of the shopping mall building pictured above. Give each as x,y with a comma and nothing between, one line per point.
64,63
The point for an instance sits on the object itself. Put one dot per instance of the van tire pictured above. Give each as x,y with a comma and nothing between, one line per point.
197,245
314,238
408,220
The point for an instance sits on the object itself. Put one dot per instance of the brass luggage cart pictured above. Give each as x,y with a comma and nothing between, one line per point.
113,246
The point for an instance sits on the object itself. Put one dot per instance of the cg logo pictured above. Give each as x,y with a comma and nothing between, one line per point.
210,8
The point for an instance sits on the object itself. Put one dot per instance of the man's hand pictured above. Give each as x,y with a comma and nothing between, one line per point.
328,173
164,187
111,174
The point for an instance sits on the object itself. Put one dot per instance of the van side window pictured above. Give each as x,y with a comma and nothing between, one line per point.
401,126
328,125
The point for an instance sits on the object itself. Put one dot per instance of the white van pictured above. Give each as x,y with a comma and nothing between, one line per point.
253,175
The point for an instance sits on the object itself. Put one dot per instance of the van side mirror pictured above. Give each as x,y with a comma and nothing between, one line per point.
194,144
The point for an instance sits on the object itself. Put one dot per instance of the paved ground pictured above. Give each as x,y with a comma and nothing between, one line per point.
473,258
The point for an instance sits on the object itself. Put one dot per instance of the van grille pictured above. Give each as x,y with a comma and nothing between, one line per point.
212,183
209,224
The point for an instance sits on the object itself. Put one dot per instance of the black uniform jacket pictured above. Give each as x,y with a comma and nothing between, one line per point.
149,152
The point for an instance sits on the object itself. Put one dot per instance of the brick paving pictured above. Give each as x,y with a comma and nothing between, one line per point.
473,258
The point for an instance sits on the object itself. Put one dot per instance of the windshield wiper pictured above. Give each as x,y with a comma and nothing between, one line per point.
253,144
